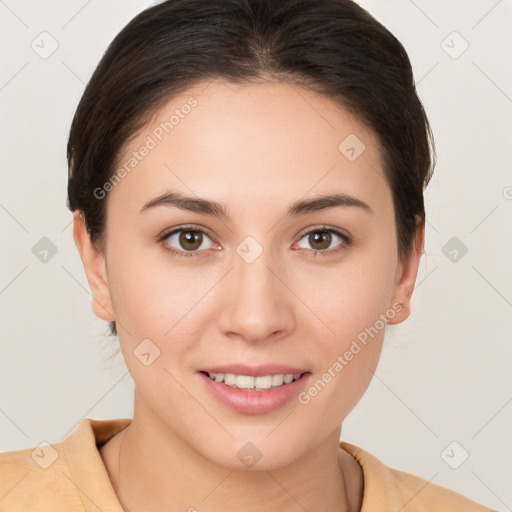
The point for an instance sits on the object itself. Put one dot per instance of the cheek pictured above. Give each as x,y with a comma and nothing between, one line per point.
346,299
151,295
348,353
339,386
353,310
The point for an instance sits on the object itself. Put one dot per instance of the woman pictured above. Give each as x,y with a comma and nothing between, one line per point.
247,181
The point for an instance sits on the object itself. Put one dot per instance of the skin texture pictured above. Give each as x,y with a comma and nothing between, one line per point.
256,148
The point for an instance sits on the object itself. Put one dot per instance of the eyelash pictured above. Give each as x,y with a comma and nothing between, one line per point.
347,241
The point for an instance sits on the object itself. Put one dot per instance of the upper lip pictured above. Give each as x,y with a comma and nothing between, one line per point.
256,371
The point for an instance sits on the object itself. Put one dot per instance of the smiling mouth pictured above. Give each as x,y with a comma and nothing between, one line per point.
259,383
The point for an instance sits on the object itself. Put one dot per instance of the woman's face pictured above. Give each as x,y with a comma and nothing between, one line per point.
246,287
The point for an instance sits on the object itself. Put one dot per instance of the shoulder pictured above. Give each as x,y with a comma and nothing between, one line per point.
386,488
35,477
62,475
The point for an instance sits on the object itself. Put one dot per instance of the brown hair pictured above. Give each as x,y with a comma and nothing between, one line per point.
334,47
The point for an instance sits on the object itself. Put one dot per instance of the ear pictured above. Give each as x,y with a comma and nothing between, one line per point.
95,269
406,277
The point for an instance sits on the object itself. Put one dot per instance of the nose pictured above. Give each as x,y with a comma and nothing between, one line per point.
259,305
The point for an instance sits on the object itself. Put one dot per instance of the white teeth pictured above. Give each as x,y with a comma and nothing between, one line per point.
257,383
244,381
264,382
277,380
229,379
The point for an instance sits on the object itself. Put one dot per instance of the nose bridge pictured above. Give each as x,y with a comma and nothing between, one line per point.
252,271
259,304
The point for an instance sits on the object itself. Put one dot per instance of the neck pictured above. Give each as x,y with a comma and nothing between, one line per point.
155,469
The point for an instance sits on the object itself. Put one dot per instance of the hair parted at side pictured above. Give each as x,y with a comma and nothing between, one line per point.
333,47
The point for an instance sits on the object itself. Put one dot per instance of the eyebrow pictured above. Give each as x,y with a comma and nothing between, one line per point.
213,208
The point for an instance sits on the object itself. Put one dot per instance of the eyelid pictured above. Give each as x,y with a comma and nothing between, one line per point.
324,227
183,227
168,232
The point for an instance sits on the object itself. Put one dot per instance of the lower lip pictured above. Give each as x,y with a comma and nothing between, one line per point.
255,402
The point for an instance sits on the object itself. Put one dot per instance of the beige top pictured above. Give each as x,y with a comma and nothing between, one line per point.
70,476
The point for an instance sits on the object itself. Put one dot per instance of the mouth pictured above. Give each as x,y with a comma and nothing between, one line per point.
254,382
254,390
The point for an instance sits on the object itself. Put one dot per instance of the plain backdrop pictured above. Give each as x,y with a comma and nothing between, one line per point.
440,404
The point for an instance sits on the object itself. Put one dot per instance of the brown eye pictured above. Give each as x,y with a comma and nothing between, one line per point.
320,240
186,241
190,240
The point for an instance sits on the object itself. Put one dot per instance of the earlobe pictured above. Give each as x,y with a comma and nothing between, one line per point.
406,278
95,269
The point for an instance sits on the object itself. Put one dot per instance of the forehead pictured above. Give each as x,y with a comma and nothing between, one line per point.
258,141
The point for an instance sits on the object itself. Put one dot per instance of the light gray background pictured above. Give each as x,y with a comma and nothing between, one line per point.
445,373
